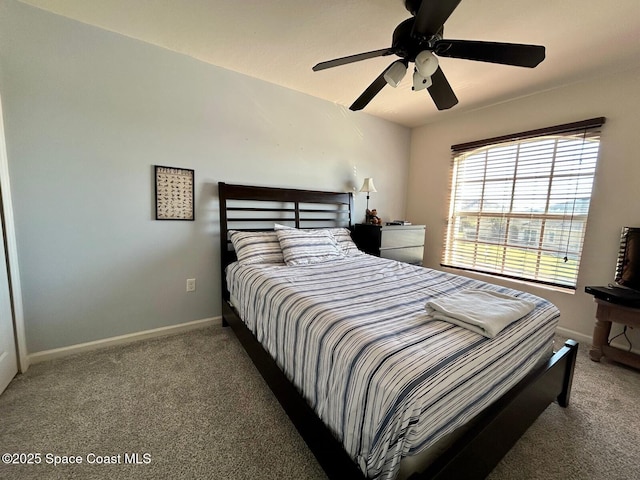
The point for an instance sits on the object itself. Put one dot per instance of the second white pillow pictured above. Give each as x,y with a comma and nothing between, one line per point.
305,247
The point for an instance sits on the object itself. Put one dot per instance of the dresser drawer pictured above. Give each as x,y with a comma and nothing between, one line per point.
407,254
395,237
403,243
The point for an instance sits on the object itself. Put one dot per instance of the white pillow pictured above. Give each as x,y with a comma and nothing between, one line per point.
256,247
342,236
306,247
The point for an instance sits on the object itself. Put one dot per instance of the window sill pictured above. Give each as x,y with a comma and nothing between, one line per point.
502,280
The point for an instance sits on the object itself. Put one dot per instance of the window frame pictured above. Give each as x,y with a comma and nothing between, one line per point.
591,127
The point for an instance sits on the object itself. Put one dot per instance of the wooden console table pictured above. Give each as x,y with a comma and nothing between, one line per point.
607,313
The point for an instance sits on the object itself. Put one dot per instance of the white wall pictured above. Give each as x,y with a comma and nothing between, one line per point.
616,194
88,113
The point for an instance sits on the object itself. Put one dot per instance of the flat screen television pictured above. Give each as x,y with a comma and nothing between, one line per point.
628,265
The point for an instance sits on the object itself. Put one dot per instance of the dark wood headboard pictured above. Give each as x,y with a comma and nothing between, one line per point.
253,208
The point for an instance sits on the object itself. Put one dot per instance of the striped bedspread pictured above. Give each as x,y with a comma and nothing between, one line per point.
353,335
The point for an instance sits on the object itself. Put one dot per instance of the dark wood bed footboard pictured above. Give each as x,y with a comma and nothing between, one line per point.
472,456
500,426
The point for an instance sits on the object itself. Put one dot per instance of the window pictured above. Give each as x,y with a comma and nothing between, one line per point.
519,203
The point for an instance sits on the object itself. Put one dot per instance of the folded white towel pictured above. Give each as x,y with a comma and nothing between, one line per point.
482,311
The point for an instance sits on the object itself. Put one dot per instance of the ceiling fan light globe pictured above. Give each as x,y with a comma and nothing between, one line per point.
419,82
426,63
395,73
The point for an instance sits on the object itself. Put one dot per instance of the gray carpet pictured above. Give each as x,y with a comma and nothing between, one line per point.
196,404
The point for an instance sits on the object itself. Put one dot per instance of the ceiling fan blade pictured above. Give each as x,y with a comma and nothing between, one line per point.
371,91
353,58
441,92
494,52
431,16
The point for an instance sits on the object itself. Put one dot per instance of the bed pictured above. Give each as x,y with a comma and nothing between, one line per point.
450,403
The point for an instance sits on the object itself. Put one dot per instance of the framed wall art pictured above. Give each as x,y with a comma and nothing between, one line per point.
174,193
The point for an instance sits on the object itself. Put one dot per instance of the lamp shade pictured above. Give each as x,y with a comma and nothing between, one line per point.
368,186
395,73
426,63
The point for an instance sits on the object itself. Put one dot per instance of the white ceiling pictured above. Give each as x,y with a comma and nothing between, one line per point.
280,40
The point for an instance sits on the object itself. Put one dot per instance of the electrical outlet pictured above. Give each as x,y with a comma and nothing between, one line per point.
191,284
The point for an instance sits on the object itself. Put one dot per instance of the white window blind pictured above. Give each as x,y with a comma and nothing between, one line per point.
519,203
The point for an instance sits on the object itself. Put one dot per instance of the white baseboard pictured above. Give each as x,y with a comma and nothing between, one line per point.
45,355
586,340
578,337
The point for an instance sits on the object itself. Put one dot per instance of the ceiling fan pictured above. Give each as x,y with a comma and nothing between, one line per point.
417,39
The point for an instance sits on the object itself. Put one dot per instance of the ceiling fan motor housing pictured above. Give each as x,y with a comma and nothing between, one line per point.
405,45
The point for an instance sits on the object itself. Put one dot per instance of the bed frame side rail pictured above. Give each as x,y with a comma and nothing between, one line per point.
329,452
